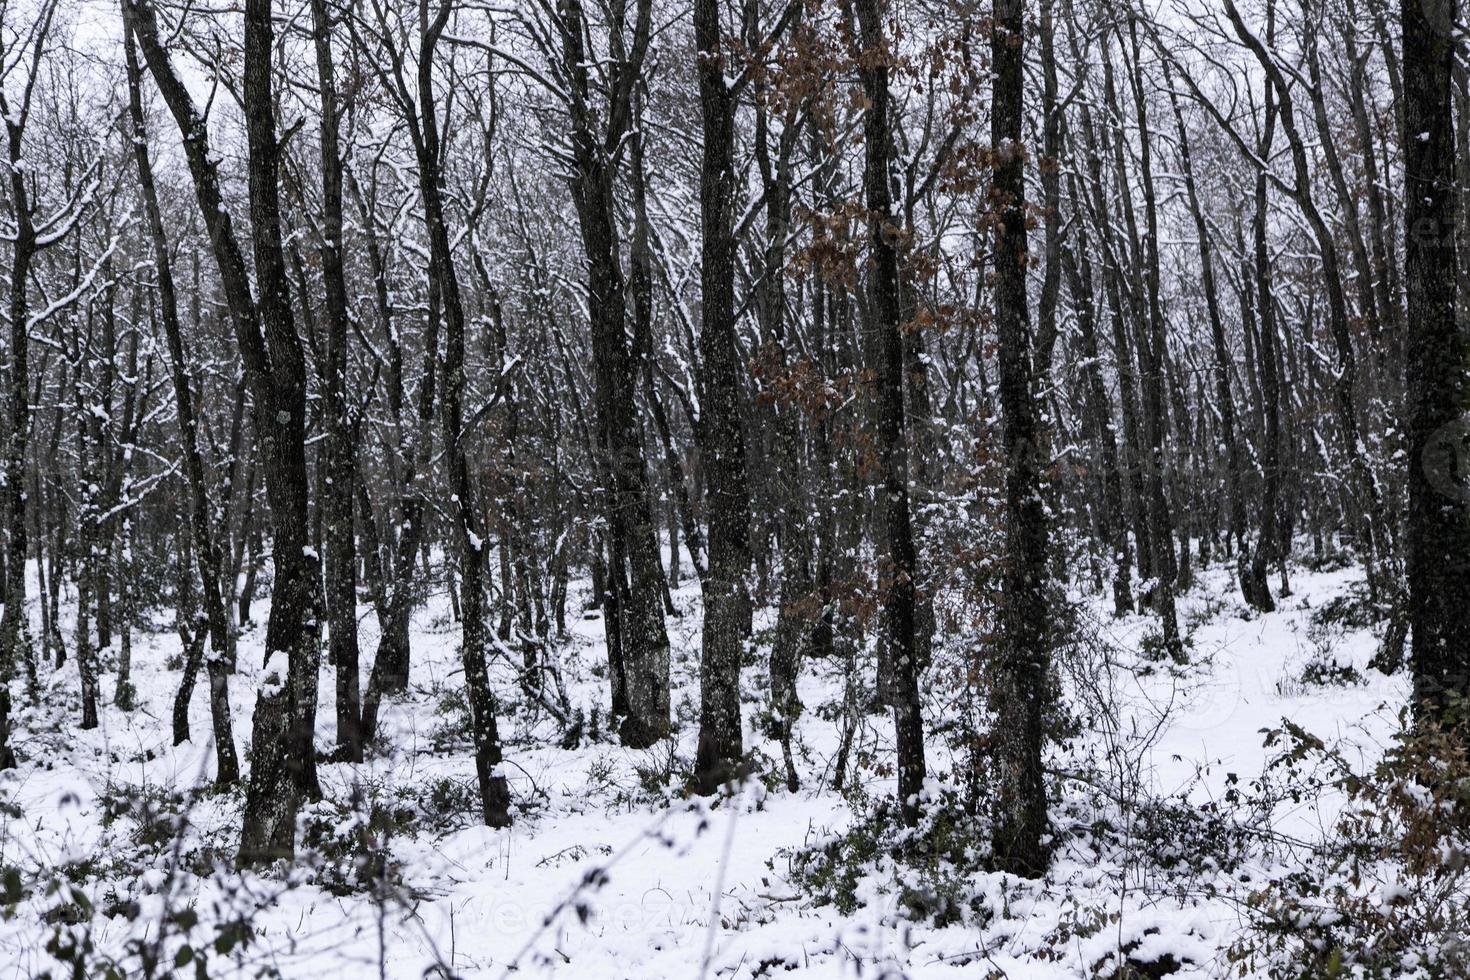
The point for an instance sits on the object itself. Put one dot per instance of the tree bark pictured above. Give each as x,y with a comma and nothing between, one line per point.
15,633
1250,574
1435,376
727,603
1023,664
1112,513
339,460
899,575
1152,354
283,755
201,515
635,570
469,534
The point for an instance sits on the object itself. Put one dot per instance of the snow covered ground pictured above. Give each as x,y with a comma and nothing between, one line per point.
607,874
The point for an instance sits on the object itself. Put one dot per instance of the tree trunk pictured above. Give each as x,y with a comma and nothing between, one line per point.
283,755
1363,482
1251,575
15,638
1112,513
201,518
897,581
469,534
635,568
1439,499
727,602
339,459
1152,354
1021,680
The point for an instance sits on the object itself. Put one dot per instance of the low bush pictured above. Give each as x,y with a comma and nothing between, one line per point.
928,871
1387,893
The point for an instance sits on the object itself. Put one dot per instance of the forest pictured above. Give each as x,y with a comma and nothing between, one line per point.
840,488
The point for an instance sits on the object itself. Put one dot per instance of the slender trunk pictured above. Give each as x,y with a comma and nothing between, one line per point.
1051,195
635,570
1251,575
727,602
1113,276
469,534
1363,482
206,544
1152,354
15,638
795,621
1112,515
1265,308
898,577
339,459
1021,679
283,754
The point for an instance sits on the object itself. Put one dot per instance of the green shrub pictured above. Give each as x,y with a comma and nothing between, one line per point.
1322,673
930,869
347,842
1352,610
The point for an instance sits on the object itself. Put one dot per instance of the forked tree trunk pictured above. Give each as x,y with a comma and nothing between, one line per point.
468,531
283,754
635,576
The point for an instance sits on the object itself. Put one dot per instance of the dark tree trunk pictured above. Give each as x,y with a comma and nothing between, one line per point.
1379,231
1051,196
898,577
1352,229
339,462
1131,449
87,535
1023,665
1439,499
1152,355
1367,495
206,545
1112,515
397,588
15,638
727,603
1252,575
795,622
1269,546
282,748
635,569
283,755
469,533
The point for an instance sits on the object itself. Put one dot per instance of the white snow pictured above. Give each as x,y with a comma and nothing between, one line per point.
603,877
